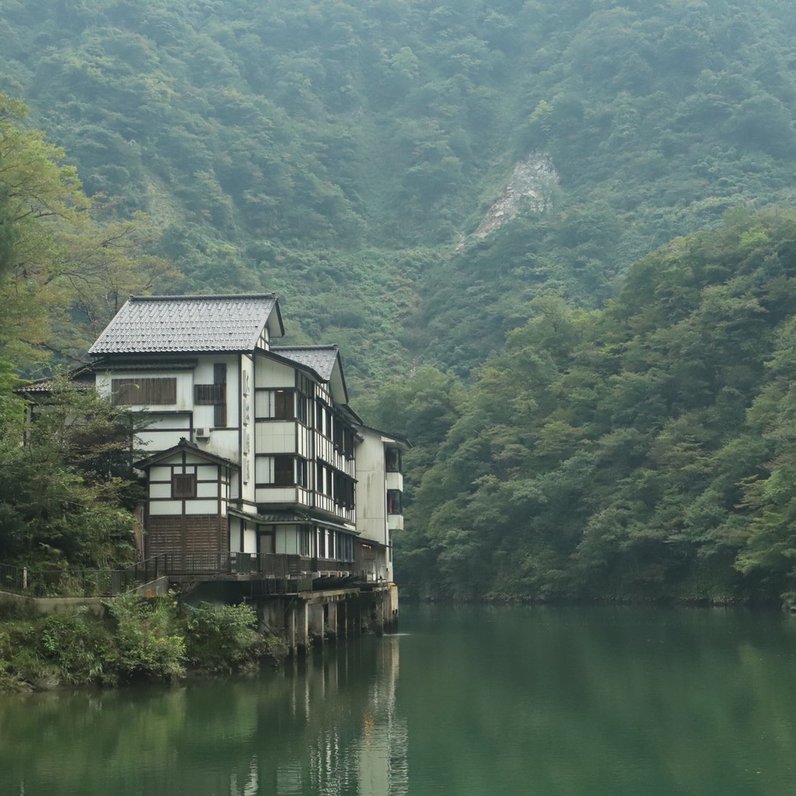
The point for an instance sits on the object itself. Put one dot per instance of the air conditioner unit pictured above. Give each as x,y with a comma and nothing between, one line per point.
201,433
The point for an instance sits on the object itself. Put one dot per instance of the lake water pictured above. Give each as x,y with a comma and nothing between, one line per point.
467,701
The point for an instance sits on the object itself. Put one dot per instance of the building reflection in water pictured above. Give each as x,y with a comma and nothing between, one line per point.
326,726
356,743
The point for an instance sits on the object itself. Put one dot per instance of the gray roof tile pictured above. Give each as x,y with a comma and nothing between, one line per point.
187,323
321,358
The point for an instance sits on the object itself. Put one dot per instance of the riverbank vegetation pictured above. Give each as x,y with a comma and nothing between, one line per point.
598,391
135,639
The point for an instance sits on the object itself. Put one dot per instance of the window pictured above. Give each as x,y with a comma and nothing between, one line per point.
338,435
392,458
305,541
345,547
343,490
275,404
301,472
330,547
394,501
183,485
284,471
284,405
142,391
205,394
280,470
348,443
214,395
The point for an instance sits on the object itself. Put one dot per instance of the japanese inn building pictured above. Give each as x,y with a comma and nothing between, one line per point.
250,450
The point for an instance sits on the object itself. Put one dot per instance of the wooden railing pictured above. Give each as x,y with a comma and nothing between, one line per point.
43,581
285,573
268,565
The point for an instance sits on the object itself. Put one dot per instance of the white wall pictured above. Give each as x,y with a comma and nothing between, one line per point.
371,490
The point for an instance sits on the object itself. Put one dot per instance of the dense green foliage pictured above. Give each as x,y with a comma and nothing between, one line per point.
639,452
338,152
138,639
66,494
344,154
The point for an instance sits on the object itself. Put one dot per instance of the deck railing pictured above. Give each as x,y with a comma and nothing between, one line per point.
43,581
278,572
269,565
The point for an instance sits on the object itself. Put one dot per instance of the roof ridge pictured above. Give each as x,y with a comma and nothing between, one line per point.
306,347
206,297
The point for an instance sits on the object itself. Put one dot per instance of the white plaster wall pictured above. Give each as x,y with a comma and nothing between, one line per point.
394,481
269,373
169,507
275,436
276,494
160,490
207,490
201,506
157,473
371,490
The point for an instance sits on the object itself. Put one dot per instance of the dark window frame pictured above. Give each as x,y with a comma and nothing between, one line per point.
144,391
394,501
183,486
392,460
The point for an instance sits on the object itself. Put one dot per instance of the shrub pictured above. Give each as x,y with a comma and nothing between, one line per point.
223,638
148,642
79,645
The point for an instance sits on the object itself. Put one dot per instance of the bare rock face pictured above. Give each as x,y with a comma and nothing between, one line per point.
530,189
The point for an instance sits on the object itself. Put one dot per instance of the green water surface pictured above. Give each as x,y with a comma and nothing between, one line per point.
468,701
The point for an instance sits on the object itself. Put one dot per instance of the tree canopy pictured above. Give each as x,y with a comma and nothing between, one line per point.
642,451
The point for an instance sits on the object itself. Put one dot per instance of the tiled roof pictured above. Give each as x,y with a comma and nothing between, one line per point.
187,323
321,358
81,378
184,446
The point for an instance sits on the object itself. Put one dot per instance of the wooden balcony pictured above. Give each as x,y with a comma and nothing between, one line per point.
279,573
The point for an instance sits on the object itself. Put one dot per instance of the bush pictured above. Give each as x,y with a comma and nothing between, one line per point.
79,646
148,640
223,638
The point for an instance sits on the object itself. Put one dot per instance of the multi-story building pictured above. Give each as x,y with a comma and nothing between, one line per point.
249,447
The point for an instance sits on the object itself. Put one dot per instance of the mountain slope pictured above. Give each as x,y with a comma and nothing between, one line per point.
340,152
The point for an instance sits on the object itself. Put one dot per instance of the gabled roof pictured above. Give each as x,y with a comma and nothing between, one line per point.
183,446
324,360
80,378
321,358
163,324
387,436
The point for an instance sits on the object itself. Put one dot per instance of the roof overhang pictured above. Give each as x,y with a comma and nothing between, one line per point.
183,446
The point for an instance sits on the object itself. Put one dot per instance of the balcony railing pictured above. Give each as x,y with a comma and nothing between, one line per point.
68,582
279,574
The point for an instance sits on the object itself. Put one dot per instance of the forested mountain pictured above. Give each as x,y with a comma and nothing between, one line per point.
343,153
456,194
643,451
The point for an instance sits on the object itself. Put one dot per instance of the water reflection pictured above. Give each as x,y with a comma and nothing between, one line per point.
531,701
327,726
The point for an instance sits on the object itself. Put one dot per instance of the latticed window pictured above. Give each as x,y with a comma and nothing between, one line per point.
183,485
209,393
143,391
